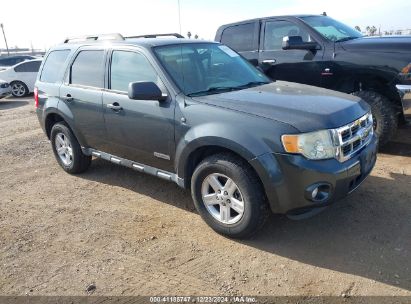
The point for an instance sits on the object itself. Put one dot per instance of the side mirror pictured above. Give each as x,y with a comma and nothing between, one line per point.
297,43
145,91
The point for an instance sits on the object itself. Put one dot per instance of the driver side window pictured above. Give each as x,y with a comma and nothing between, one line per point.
275,31
127,66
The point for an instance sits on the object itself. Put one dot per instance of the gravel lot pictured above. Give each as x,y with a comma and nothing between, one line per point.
133,234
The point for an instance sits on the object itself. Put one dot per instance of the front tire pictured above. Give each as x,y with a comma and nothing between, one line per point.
67,150
19,89
228,195
384,115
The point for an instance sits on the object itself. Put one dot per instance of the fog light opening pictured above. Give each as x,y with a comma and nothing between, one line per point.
318,192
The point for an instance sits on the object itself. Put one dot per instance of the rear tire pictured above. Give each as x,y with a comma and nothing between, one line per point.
244,201
384,115
19,89
67,150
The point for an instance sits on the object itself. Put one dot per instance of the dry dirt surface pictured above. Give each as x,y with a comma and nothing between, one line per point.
132,234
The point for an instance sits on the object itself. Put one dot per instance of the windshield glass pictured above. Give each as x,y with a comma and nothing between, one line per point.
208,68
332,29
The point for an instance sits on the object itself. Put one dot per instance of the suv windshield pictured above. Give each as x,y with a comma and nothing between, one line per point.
332,29
208,68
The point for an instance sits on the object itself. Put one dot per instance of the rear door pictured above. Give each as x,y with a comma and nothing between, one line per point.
243,38
303,66
143,130
82,94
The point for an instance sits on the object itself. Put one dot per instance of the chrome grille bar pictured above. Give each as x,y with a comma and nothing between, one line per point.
353,137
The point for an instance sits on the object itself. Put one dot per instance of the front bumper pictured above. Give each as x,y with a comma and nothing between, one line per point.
405,94
287,178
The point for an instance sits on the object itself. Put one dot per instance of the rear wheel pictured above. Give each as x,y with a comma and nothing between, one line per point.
384,115
228,195
19,89
67,150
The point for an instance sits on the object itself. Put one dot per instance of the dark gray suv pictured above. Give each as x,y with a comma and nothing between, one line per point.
198,114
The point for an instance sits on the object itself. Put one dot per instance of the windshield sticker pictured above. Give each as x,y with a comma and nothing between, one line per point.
228,51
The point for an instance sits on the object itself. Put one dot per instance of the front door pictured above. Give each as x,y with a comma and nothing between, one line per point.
138,130
302,66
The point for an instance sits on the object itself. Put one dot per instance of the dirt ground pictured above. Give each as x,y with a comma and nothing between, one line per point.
132,234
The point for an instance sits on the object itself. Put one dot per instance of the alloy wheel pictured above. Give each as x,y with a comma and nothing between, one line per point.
64,149
222,198
18,89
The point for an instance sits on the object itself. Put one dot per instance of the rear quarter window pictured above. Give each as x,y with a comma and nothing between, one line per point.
239,37
54,65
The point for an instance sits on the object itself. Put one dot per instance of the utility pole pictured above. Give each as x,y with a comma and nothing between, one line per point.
179,15
5,40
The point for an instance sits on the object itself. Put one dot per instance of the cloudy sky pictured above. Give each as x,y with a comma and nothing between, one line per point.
44,23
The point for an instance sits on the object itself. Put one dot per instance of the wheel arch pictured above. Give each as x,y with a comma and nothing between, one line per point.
372,83
53,116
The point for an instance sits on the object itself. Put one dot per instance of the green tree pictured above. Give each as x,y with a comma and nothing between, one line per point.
358,28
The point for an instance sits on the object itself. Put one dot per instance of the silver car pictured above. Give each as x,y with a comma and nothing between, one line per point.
5,89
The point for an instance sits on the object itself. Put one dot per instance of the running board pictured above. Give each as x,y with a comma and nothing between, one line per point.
136,166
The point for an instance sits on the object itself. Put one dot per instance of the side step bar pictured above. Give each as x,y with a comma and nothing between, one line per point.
136,166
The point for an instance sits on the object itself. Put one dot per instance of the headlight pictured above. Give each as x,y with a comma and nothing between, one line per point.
314,145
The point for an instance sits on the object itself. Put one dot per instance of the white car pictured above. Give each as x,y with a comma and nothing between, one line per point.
22,77
5,89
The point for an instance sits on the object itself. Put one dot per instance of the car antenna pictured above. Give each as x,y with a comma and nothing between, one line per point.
324,13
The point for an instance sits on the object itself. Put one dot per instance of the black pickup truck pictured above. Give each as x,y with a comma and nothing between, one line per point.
320,51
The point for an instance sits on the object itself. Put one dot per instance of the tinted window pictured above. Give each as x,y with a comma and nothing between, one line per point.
28,67
129,67
239,37
87,69
54,65
275,31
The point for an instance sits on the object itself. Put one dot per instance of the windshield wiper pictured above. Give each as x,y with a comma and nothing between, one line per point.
213,90
252,84
346,39
216,90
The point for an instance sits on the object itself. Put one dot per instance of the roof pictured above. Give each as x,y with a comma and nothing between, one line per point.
270,17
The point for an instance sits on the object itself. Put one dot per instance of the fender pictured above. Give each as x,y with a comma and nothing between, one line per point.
221,135
54,106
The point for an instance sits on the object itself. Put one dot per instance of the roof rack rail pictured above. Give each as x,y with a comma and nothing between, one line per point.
99,37
155,36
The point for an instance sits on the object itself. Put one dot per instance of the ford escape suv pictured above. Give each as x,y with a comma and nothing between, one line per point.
199,114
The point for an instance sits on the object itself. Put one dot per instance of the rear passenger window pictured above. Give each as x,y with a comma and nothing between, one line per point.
28,67
87,69
129,67
53,67
239,37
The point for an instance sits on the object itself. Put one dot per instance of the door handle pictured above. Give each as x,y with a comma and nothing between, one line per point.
68,98
269,61
115,107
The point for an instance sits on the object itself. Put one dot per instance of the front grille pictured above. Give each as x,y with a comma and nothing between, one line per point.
352,137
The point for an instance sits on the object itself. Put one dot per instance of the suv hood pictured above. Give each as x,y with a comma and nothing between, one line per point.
379,44
304,107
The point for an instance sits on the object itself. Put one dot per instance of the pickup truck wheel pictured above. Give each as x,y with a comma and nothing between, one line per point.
228,195
384,115
67,150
